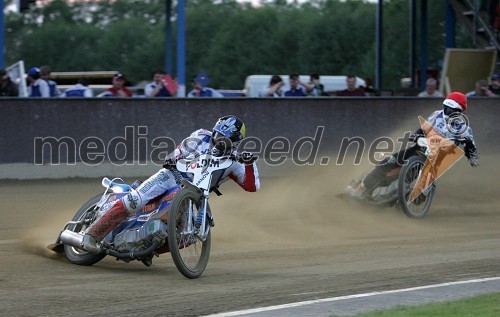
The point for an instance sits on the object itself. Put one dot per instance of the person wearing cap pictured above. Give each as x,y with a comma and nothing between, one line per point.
37,86
454,106
7,87
118,89
495,84
201,89
45,75
481,90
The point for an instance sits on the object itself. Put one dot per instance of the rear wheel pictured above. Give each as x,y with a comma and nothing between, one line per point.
189,253
79,256
408,176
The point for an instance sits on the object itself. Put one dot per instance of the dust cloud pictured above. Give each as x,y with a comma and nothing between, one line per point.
295,207
300,209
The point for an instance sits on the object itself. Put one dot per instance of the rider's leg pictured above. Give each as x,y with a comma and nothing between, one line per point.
104,225
154,186
378,173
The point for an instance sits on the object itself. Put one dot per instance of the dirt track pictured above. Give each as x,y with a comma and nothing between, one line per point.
292,241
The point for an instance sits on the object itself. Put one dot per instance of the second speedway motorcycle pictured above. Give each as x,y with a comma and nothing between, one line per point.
396,187
179,221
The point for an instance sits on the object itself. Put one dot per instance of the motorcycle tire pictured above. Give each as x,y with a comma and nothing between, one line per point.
79,256
408,175
189,253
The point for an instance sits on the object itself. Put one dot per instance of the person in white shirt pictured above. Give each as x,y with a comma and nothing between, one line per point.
274,89
157,87
430,89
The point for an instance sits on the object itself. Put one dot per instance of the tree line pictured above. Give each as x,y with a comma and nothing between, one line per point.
226,39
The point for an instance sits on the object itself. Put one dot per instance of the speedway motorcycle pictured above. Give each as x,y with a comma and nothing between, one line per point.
179,221
398,184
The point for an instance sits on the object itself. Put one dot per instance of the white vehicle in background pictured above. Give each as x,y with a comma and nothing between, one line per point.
254,84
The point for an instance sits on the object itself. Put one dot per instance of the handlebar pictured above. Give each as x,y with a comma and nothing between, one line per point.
415,136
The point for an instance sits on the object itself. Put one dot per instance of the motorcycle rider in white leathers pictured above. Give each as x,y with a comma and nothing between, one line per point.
454,104
224,139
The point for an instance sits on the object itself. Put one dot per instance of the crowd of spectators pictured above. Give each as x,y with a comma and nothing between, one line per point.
163,85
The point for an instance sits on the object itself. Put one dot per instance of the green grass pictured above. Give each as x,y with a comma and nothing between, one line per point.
478,306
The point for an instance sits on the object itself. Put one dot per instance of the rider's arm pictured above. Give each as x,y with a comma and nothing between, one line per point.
470,148
191,147
247,176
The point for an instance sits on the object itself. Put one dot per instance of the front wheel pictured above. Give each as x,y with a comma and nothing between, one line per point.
189,253
79,256
408,176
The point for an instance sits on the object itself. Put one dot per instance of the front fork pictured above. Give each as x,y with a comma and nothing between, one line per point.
201,228
430,180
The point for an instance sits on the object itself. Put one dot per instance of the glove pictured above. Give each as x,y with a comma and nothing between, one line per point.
246,158
473,157
415,136
471,152
170,162
474,162
220,149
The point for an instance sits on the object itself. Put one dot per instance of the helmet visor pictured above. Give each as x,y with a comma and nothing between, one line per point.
449,111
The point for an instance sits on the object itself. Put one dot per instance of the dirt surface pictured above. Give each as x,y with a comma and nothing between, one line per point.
292,241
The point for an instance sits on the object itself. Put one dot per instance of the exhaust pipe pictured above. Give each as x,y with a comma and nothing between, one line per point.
75,239
72,238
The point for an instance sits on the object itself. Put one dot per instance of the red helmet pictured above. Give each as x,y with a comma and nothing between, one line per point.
456,100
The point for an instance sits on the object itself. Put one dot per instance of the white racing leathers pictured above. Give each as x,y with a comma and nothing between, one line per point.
452,128
199,142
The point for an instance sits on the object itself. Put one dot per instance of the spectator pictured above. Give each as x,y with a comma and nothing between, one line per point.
481,90
351,90
495,84
7,87
430,89
157,87
45,75
297,88
37,86
274,87
317,88
118,89
201,89
81,89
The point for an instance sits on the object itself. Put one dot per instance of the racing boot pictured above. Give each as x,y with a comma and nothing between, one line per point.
356,189
102,226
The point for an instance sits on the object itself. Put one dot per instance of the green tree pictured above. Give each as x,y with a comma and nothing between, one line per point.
226,39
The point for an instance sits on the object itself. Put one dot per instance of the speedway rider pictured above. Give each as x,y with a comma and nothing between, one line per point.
454,105
222,140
